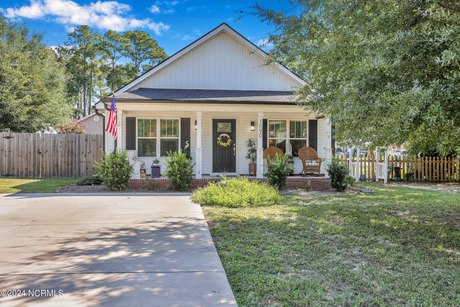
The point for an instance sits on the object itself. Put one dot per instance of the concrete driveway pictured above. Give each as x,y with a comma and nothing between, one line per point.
115,250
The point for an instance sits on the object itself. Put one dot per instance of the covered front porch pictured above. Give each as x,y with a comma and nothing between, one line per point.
148,130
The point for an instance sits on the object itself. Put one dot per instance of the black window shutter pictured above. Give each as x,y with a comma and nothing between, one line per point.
313,134
185,135
130,133
264,134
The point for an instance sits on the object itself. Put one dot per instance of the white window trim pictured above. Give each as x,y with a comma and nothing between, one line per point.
158,137
288,133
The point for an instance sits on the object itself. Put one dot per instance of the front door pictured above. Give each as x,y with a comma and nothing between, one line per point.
224,145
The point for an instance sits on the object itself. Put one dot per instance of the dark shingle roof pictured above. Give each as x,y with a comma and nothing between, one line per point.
199,95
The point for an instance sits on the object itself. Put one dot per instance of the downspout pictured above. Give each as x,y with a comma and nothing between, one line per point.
103,124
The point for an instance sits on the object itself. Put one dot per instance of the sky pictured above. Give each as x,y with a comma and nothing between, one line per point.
173,23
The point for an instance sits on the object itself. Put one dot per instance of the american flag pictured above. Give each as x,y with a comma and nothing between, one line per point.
112,122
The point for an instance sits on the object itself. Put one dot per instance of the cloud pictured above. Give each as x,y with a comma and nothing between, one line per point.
164,7
103,15
154,9
264,43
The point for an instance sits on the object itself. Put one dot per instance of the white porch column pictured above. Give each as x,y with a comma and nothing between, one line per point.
119,130
327,160
199,150
260,145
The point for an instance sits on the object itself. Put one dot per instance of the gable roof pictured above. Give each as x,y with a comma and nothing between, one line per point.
199,42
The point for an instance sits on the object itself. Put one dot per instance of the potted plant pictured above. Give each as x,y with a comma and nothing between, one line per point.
156,168
252,156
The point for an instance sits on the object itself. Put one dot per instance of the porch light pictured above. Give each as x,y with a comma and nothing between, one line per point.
253,126
195,125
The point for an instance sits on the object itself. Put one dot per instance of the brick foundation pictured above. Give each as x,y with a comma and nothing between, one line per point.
163,184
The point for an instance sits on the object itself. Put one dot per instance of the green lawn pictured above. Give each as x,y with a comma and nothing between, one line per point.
23,185
399,246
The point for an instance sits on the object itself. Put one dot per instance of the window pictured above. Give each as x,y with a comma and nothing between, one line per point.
297,135
169,136
277,134
150,144
147,137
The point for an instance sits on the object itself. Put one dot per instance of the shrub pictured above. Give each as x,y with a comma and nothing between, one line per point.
73,127
340,180
93,180
278,170
237,192
180,170
251,155
115,171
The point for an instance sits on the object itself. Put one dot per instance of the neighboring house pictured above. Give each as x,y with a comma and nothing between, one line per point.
92,124
219,85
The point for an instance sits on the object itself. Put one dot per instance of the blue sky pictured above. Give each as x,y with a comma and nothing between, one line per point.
173,23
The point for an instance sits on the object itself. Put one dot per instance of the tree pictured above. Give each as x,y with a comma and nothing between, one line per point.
385,71
142,48
83,66
32,82
93,65
112,46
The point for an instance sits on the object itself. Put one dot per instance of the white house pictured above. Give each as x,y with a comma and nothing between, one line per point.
219,85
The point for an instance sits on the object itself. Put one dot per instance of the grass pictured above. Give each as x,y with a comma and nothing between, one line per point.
237,192
399,246
24,185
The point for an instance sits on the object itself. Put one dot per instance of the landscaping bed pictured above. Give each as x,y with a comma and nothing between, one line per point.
398,246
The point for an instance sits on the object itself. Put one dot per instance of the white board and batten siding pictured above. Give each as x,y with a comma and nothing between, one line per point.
222,63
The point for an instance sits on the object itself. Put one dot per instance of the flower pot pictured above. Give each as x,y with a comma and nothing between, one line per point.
252,169
156,171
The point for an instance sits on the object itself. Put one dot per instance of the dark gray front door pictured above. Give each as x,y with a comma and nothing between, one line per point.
224,149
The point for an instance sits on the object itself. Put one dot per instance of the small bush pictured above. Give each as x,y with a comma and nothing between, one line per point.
278,170
115,170
237,192
180,170
93,180
340,180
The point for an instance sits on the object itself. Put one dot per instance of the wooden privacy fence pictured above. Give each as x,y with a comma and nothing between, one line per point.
33,155
430,169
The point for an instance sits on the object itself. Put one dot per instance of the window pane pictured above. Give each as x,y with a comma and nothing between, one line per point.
277,129
295,145
298,129
168,145
224,127
147,147
278,143
146,128
169,128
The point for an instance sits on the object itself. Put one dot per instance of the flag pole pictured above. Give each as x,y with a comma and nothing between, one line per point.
115,141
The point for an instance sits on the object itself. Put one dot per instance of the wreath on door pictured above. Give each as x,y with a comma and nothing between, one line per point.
224,140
